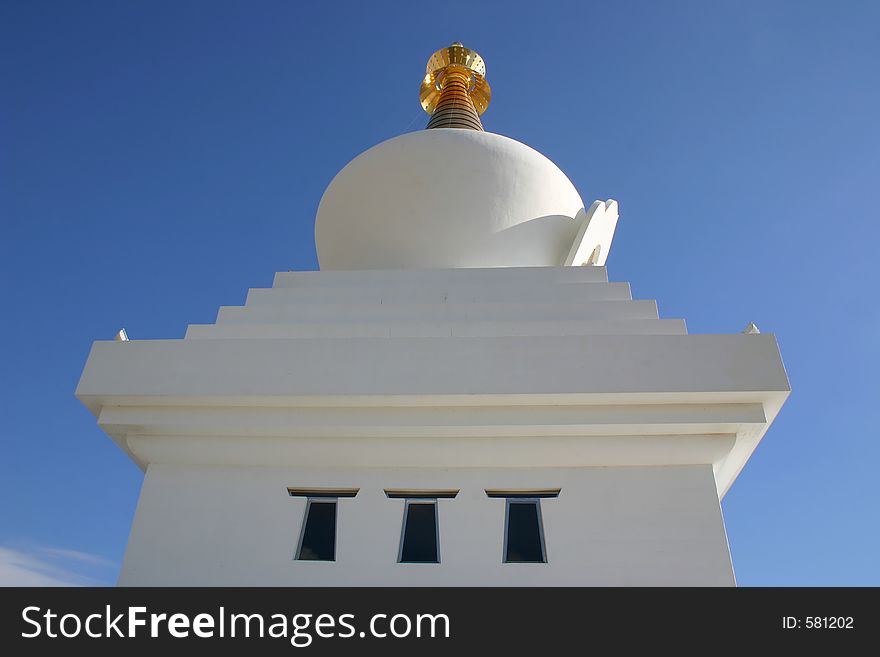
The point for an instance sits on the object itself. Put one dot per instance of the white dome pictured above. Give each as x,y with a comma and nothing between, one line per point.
447,198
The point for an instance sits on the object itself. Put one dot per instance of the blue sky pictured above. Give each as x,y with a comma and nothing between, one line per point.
159,158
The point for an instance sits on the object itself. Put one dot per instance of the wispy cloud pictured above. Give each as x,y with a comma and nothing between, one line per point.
76,555
51,566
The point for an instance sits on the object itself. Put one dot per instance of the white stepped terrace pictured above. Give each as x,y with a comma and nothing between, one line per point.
333,368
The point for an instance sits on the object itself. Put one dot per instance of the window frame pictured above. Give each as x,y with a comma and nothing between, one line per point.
305,521
420,500
523,500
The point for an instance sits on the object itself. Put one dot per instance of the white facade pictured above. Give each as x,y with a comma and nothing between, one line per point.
234,525
452,342
466,379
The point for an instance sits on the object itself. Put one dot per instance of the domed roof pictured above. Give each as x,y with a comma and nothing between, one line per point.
447,198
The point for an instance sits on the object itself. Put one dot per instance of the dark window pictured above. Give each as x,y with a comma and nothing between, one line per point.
524,537
318,540
419,544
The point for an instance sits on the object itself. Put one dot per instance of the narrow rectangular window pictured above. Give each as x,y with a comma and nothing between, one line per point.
318,538
420,542
524,534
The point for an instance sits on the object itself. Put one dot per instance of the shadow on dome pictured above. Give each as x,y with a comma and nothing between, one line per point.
554,233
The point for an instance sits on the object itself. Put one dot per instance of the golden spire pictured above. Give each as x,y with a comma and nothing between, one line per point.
455,92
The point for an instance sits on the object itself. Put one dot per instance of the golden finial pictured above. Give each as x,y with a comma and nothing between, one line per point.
455,92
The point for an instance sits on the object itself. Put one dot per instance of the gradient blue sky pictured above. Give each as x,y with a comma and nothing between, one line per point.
159,158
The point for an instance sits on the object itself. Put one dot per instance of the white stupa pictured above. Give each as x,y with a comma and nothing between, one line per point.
458,397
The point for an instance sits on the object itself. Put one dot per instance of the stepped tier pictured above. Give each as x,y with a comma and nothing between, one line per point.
473,365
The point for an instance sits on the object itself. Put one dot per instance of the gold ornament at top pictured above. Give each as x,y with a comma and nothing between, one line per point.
455,84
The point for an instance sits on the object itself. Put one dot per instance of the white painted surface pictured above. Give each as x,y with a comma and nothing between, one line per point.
592,243
429,279
446,343
447,198
448,327
609,527
572,365
469,378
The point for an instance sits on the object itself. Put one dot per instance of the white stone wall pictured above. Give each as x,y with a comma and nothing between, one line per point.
539,377
221,525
